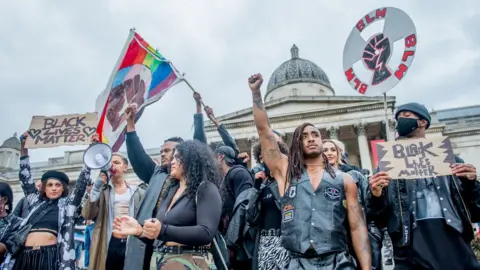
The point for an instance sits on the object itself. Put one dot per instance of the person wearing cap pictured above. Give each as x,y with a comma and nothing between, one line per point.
49,243
236,179
429,220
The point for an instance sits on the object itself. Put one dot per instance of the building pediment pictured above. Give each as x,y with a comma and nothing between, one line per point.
289,106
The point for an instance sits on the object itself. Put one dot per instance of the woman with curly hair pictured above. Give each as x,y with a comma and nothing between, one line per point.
334,150
188,219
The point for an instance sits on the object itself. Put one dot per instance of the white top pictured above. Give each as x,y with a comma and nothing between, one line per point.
122,203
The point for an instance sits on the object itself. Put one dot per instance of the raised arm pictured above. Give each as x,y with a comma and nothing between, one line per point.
209,210
92,204
222,131
199,129
142,164
25,176
358,227
76,196
275,160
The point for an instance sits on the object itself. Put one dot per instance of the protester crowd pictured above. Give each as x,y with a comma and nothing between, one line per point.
303,206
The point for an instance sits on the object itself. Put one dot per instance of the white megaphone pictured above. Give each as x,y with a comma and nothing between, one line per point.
98,156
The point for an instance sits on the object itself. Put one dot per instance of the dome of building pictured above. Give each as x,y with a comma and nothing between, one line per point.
12,142
297,70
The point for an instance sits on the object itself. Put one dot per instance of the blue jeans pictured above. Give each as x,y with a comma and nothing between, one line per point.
88,240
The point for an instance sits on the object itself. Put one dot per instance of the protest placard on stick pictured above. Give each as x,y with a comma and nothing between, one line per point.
53,131
416,158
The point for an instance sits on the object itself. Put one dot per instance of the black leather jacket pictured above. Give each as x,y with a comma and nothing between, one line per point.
392,210
238,236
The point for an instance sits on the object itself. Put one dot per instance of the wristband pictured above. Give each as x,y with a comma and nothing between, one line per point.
141,233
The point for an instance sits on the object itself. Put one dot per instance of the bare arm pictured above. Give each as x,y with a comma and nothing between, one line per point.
358,227
275,160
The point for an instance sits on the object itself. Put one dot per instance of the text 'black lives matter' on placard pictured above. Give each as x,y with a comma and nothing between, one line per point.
416,158
52,131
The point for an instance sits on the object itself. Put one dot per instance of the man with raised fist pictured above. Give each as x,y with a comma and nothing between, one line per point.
316,199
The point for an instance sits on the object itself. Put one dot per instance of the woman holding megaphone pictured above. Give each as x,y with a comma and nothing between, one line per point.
45,238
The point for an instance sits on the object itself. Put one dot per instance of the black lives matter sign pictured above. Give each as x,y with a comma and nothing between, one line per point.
52,131
416,158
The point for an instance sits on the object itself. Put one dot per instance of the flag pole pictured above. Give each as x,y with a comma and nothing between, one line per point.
182,77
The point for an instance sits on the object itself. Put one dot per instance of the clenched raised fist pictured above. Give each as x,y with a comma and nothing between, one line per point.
255,82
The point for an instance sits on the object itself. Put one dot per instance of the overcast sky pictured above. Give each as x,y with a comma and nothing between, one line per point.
56,56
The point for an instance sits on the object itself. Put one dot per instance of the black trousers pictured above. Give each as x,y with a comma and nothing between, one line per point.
42,258
116,253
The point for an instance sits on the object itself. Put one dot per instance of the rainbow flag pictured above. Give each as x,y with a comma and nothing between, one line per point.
142,76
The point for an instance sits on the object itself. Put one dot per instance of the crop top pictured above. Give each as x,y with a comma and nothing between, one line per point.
48,223
188,223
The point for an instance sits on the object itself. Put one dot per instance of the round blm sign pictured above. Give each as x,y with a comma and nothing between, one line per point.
376,51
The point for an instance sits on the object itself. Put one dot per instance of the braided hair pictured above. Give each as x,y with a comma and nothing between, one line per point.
296,157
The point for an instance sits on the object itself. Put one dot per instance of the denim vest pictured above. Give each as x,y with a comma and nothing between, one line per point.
314,218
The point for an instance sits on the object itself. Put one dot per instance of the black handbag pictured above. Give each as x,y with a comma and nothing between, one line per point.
15,242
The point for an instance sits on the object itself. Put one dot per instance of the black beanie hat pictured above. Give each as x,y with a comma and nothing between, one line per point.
60,176
416,108
6,191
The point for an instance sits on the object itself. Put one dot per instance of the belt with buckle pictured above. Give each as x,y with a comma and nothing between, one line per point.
182,249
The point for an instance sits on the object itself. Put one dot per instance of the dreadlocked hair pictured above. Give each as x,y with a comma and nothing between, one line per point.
296,157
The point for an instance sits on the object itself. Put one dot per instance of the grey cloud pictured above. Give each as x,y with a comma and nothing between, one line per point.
56,57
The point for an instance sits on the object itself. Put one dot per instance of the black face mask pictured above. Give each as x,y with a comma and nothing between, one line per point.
405,126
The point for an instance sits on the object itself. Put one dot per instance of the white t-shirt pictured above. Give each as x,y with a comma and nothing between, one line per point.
122,204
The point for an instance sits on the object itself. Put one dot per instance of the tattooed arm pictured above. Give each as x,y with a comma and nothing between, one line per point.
358,227
275,160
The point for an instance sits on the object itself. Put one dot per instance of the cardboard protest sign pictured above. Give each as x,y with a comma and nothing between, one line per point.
416,158
52,131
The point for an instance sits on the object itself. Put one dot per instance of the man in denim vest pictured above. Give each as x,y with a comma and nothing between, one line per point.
316,199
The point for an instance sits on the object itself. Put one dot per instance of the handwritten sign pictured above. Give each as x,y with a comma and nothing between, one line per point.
416,158
52,131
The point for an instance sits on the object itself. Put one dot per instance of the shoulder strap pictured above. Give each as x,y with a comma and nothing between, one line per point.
196,194
30,213
37,217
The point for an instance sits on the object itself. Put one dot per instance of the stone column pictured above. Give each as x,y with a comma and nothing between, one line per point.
392,132
363,146
332,132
